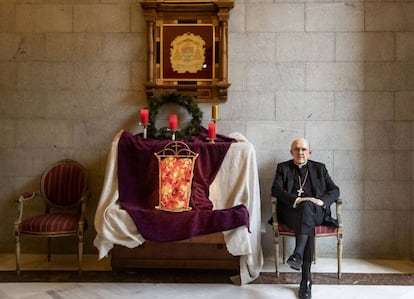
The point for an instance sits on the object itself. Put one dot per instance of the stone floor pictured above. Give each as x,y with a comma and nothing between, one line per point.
365,279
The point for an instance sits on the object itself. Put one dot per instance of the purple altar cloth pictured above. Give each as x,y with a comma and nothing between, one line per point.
138,189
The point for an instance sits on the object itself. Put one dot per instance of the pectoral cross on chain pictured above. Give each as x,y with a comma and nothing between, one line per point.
300,190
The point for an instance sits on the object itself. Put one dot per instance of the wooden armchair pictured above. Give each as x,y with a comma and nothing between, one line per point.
321,231
64,190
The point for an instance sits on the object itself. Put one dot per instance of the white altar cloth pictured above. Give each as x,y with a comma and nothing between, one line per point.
237,182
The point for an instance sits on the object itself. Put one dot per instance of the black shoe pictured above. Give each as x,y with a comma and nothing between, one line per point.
295,261
305,289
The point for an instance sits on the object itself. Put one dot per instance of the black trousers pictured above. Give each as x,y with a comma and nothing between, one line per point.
303,220
307,216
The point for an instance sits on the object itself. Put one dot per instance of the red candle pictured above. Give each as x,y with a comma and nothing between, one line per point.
144,116
173,122
212,130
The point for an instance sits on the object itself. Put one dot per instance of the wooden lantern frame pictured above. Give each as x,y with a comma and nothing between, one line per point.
206,23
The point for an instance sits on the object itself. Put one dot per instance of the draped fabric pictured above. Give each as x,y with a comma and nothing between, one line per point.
138,189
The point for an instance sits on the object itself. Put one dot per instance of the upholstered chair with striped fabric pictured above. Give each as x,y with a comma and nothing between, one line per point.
283,231
64,190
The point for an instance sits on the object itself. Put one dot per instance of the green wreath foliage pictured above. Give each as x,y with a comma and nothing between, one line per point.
185,101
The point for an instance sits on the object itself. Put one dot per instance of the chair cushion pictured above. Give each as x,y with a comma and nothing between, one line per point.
283,228
325,230
320,230
50,224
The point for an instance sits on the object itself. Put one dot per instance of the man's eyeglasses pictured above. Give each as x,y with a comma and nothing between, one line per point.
300,149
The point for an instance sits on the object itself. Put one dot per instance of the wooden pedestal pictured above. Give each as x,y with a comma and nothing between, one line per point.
204,252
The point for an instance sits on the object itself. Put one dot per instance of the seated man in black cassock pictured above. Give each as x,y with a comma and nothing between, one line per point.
304,192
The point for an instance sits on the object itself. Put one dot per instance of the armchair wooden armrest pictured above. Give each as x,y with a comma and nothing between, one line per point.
20,200
339,211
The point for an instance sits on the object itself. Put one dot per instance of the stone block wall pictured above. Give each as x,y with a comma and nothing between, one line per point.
338,73
341,74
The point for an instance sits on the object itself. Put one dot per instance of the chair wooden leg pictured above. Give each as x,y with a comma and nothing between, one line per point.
284,249
49,249
314,251
18,254
276,244
80,254
339,257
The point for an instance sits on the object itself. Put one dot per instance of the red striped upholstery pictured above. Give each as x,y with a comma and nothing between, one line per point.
64,184
50,224
63,188
284,229
325,230
319,230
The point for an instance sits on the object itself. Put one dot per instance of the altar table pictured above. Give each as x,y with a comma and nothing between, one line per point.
236,183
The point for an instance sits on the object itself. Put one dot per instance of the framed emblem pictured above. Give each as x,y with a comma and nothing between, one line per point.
187,52
187,48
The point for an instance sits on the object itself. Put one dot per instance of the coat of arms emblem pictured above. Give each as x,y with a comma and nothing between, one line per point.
187,53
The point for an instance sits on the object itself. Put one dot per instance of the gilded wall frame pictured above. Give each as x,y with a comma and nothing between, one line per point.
187,44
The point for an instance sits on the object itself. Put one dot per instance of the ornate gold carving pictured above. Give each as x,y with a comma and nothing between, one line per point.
187,53
205,80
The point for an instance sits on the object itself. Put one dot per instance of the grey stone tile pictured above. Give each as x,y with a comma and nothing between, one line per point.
337,17
304,46
405,46
365,46
331,135
386,195
101,18
349,165
31,18
337,76
387,16
304,106
404,105
275,17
